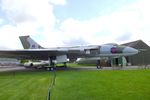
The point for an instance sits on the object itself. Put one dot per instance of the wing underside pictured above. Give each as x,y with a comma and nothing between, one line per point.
44,54
38,54
30,54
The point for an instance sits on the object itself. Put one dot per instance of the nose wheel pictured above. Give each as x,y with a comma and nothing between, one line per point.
98,65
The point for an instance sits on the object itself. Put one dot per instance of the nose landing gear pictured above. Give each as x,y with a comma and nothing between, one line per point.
98,65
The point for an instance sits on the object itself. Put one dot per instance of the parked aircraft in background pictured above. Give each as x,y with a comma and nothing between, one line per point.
33,50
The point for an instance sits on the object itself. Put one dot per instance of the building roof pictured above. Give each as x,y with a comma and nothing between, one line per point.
139,44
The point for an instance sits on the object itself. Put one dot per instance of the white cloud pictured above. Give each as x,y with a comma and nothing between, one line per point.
58,2
26,17
134,19
22,11
34,17
9,37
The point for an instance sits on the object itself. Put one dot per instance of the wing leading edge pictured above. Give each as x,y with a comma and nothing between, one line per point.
42,54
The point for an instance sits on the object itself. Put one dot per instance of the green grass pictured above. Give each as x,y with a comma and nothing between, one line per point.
24,85
79,65
77,85
102,85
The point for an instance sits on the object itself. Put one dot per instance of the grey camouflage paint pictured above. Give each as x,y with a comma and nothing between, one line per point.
25,43
28,43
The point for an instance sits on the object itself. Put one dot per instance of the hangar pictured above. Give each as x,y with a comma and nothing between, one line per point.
143,57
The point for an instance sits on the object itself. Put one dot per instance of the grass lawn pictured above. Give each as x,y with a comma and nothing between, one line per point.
24,85
102,85
77,85
79,65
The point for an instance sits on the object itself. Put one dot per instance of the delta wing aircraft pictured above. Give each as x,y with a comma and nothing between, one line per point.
33,50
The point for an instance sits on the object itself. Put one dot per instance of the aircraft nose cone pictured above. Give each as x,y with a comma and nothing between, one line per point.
130,50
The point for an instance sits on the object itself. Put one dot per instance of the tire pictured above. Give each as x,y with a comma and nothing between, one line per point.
98,67
51,68
31,64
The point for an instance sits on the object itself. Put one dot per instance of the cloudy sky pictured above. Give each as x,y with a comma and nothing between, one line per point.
55,23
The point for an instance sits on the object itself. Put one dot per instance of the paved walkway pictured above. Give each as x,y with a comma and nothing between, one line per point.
109,68
11,68
21,68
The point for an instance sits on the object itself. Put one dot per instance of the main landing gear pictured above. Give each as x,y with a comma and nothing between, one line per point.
53,65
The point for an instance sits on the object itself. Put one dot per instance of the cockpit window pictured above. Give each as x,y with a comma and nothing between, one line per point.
113,44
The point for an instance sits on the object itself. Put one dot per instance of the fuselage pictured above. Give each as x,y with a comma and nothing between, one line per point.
117,50
103,50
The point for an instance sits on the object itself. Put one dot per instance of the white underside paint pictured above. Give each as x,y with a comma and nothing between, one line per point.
61,58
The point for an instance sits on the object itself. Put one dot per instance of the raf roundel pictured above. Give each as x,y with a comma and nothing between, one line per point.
33,46
113,50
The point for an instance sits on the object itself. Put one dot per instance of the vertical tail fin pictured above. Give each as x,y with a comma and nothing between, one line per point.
29,43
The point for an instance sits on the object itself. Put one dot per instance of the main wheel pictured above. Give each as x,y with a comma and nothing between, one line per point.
51,68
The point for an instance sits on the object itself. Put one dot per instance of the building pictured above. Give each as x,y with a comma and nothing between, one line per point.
143,57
